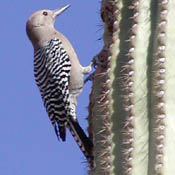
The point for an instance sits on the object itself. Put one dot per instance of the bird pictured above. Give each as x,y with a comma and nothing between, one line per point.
58,75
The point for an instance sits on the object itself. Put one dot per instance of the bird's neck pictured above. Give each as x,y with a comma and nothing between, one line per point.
43,35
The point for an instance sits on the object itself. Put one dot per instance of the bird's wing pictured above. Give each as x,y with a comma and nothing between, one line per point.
52,72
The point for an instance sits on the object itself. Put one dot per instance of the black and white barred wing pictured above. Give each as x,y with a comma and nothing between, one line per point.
52,72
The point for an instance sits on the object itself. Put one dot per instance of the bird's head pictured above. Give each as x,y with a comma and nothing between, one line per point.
41,21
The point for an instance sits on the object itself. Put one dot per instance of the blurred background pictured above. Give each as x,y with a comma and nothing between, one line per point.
28,144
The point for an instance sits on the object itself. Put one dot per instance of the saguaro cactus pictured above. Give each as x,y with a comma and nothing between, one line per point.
132,103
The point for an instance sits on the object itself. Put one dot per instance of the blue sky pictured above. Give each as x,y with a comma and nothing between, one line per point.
28,144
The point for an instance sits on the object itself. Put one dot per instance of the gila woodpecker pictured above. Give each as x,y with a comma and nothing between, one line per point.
58,75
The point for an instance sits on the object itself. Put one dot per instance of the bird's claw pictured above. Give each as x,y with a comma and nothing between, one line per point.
89,78
96,62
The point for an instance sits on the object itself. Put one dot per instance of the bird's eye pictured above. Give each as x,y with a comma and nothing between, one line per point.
45,13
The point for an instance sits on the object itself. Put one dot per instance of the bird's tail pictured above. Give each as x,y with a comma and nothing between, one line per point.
82,140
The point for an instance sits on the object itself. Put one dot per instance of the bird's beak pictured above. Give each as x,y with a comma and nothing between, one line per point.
59,11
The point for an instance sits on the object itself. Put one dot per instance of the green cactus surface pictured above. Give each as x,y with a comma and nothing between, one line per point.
132,103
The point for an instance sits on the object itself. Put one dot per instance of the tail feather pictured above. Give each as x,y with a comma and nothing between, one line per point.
62,131
80,137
